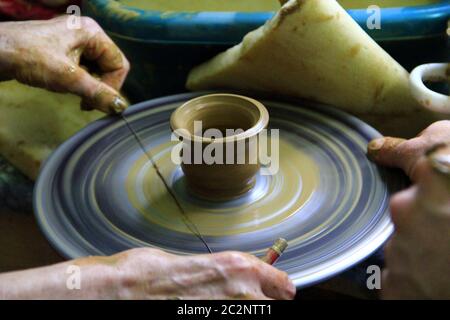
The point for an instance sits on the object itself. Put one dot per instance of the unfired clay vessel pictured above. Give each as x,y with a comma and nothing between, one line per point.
234,175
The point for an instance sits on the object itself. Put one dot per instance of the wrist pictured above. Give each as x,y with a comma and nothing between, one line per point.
100,278
142,274
87,278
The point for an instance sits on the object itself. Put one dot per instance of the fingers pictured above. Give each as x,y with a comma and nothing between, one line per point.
385,151
405,154
100,48
275,283
103,94
61,75
433,174
398,153
60,70
431,195
432,191
250,277
96,94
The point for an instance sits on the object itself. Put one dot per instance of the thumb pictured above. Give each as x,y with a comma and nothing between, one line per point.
386,151
97,94
397,153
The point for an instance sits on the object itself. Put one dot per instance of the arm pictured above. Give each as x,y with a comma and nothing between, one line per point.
153,274
51,282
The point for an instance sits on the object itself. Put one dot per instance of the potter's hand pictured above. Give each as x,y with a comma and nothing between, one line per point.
418,254
47,54
227,275
405,154
152,274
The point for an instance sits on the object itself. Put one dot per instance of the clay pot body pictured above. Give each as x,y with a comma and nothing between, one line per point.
220,144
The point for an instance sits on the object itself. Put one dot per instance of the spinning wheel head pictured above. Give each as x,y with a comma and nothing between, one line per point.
98,194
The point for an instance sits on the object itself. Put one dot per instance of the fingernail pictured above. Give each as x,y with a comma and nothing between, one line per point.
118,105
375,146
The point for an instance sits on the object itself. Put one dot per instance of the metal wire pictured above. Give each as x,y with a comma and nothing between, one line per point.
188,223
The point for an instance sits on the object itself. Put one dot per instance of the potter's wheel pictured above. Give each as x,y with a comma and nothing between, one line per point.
98,194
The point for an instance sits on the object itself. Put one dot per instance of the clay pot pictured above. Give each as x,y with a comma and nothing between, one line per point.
219,162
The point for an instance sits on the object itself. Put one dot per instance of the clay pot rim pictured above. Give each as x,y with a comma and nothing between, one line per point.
260,125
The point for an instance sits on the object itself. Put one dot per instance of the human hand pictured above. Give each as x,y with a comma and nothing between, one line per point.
47,54
405,154
153,274
418,254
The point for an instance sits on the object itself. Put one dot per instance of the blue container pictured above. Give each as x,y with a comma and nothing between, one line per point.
163,47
